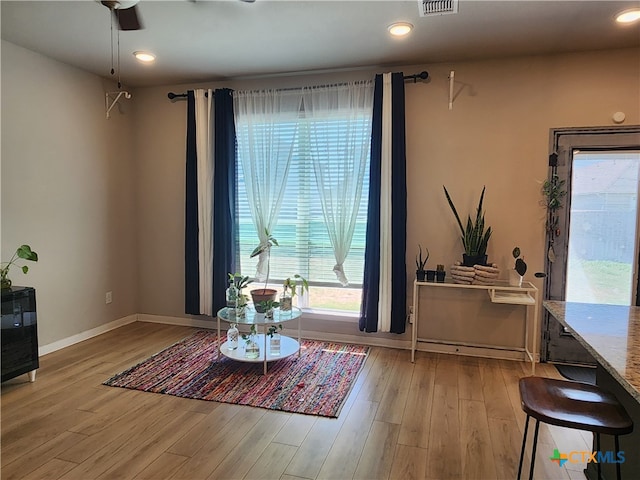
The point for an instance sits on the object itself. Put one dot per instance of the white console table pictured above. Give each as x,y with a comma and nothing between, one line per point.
501,292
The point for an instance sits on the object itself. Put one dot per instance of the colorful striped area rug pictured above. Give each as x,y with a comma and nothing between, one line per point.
315,383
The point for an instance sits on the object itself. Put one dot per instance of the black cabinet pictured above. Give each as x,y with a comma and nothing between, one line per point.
19,332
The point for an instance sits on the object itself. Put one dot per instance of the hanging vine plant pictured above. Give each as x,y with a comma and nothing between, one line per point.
554,192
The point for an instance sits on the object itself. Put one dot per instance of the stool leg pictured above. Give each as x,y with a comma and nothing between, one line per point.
524,442
598,449
618,474
533,453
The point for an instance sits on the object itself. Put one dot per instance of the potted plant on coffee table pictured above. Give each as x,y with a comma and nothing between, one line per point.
290,290
273,332
235,298
264,294
251,349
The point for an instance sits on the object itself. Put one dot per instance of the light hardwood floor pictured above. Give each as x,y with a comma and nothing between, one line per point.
444,417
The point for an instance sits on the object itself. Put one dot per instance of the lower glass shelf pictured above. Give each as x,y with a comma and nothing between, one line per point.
288,347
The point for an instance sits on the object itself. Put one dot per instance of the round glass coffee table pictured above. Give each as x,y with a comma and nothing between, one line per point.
288,345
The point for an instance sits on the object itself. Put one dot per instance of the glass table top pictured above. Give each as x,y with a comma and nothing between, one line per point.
254,318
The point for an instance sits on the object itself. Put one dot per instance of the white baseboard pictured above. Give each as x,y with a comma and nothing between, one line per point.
204,322
308,334
211,323
80,337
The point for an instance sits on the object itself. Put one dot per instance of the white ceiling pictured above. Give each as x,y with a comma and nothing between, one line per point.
201,40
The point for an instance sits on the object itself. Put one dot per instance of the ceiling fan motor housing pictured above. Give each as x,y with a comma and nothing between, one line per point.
119,5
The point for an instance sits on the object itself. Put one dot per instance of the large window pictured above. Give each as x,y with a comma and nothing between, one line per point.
304,244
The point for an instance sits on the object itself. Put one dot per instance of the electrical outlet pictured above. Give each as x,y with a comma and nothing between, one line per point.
108,298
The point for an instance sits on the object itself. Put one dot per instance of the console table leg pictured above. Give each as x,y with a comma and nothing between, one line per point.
32,376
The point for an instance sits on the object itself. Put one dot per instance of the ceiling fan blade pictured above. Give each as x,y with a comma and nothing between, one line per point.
128,18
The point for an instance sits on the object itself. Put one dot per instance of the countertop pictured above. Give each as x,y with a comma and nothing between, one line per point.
611,333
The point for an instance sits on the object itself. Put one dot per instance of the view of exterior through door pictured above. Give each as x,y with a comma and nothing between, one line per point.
603,228
595,245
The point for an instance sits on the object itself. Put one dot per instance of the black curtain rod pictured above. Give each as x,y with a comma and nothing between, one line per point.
422,76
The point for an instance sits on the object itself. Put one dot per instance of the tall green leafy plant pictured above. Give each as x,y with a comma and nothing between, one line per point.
474,237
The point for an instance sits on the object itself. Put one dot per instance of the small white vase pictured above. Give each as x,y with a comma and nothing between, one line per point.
252,349
515,279
232,337
274,344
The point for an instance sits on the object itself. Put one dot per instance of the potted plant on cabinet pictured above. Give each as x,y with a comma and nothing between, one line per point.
515,275
421,262
290,290
474,237
264,294
24,252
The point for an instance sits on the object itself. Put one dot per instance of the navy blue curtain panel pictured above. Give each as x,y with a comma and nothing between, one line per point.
369,314
224,195
191,272
399,207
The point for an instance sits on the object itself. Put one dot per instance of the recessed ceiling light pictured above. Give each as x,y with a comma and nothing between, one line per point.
145,57
628,16
400,29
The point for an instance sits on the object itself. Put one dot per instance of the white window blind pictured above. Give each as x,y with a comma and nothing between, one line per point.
304,245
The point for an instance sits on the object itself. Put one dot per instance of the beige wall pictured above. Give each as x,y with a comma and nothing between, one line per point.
496,135
103,200
67,190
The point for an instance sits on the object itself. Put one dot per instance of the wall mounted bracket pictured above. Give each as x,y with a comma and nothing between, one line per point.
111,98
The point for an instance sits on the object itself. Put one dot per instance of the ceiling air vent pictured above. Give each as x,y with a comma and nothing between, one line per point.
430,8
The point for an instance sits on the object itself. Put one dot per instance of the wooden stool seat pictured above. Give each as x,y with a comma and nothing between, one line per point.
581,406
576,405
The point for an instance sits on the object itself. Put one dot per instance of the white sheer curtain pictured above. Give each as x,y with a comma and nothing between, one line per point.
338,132
266,129
204,154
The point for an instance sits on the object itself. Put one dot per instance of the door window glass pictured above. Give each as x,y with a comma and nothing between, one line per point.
603,227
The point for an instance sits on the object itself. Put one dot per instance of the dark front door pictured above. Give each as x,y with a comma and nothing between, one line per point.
593,248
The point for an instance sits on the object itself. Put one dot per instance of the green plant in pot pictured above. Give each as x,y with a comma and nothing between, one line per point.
267,307
273,332
554,192
440,273
421,262
264,294
23,252
475,236
251,349
290,290
235,298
